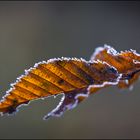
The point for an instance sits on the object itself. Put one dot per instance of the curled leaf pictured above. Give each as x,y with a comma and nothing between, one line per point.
127,63
75,78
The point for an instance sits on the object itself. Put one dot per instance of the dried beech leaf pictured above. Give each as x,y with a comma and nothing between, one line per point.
75,78
127,63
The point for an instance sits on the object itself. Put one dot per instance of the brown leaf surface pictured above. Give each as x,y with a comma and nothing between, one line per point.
72,77
127,63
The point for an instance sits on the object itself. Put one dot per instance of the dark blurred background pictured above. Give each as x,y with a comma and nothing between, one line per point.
34,31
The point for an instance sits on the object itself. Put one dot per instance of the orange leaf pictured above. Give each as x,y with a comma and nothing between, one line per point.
75,78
